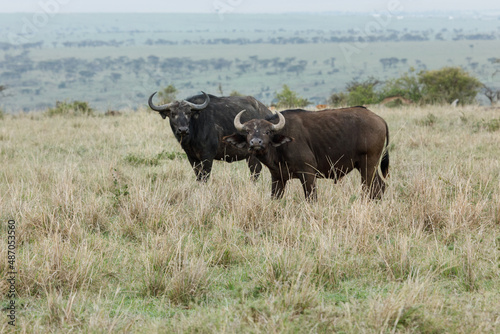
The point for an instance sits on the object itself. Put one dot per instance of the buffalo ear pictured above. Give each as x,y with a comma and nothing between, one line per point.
279,140
236,140
163,114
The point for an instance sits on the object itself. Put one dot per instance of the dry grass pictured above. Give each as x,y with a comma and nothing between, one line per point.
115,235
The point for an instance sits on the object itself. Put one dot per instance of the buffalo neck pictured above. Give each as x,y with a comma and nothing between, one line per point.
270,158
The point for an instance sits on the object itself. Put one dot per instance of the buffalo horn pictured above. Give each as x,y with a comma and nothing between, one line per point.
163,107
237,123
281,123
199,106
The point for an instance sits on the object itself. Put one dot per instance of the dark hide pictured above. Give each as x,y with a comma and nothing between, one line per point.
326,144
200,132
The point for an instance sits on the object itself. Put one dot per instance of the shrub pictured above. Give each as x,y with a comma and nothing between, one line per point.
361,93
448,84
407,86
289,99
168,94
427,87
428,120
338,99
70,108
358,93
235,93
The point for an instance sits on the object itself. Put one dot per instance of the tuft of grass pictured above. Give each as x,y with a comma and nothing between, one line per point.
429,120
119,189
172,272
491,125
137,160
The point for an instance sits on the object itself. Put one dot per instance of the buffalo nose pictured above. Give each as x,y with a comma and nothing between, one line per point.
255,142
183,130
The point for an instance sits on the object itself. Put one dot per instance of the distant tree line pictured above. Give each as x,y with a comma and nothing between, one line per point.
8,46
351,36
14,66
97,43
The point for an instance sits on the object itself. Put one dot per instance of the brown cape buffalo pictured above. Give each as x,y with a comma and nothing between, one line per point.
326,144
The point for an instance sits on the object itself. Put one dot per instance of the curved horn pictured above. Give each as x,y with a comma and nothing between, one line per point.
237,122
281,123
163,107
199,106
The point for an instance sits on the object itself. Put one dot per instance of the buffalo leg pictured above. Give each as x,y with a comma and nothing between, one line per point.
255,167
278,187
201,169
370,178
309,186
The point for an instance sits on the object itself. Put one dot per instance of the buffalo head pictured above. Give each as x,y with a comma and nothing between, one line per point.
179,113
257,134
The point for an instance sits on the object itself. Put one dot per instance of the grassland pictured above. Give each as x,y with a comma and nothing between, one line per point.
115,235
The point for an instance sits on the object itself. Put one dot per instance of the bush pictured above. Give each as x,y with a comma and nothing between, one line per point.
289,99
427,87
70,108
361,93
338,99
168,94
406,87
448,84
358,93
235,93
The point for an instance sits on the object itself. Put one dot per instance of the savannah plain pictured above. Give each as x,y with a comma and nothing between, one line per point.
115,235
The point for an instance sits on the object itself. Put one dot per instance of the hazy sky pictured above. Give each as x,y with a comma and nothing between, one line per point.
243,6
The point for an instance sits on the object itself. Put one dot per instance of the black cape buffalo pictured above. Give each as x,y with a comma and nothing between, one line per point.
200,122
325,144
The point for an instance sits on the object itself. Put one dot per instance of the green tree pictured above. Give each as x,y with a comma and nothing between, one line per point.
492,94
338,99
448,84
168,94
427,87
406,86
290,99
361,93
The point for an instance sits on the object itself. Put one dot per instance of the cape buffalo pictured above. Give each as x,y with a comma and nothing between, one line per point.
200,122
325,144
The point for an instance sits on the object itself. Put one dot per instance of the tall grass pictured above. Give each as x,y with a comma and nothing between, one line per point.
115,235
